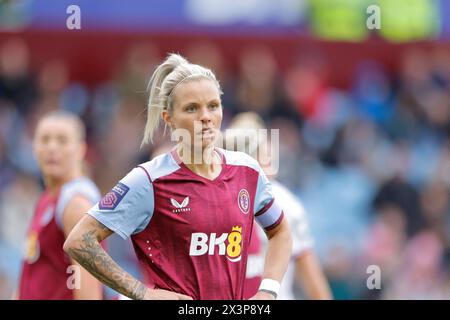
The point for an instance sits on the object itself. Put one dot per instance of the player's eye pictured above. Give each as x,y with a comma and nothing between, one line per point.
191,108
44,139
214,106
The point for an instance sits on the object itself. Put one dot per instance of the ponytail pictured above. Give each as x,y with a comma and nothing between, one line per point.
158,101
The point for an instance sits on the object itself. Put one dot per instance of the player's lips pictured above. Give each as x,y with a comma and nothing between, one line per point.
51,161
206,131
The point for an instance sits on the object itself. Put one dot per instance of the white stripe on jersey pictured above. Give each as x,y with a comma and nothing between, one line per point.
296,216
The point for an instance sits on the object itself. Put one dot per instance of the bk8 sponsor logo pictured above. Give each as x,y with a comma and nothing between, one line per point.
228,244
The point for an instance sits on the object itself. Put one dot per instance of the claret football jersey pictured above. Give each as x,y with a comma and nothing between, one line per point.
45,265
191,234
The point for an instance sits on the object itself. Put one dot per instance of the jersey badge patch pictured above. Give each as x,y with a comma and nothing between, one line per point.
113,198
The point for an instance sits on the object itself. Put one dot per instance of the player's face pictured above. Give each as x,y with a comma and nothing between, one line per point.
197,102
58,147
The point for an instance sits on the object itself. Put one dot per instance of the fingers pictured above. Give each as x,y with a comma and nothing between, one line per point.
184,297
161,294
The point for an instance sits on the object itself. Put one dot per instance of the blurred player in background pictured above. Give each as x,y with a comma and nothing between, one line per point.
59,147
304,267
190,221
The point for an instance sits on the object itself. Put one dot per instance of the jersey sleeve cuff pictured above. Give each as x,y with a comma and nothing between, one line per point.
108,224
270,215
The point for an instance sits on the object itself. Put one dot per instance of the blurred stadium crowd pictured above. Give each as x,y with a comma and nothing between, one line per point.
371,163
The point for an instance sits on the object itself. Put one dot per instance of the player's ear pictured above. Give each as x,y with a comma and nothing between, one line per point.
83,149
167,118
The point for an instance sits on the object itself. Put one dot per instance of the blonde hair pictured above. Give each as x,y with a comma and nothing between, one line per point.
163,82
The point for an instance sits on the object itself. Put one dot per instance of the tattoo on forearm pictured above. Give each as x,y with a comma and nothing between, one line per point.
94,259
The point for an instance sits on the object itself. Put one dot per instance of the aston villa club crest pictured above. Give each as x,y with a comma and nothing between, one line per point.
32,250
113,198
244,201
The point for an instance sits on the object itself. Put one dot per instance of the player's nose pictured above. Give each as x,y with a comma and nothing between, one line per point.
51,145
204,114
